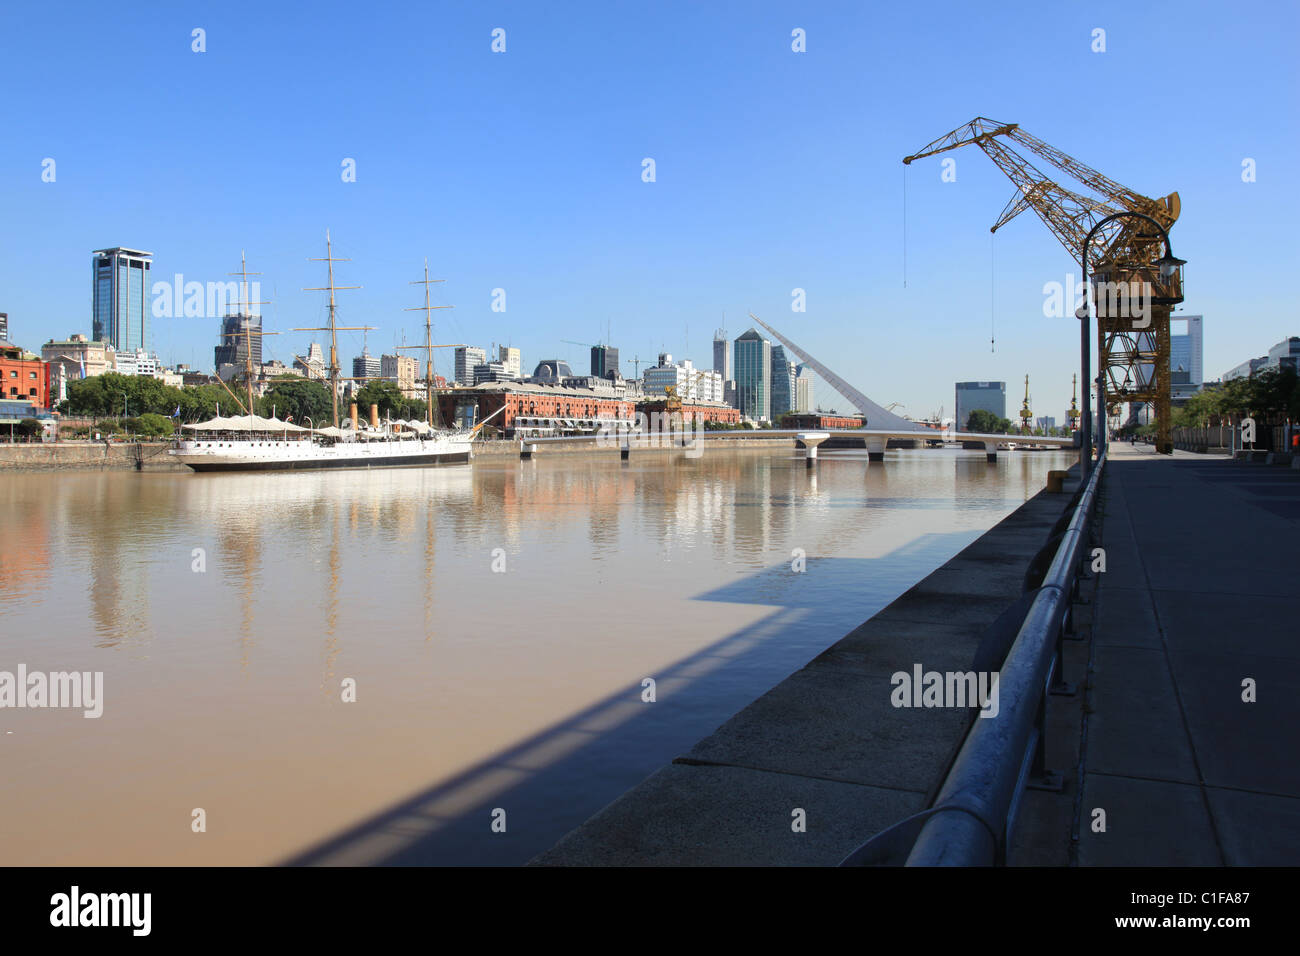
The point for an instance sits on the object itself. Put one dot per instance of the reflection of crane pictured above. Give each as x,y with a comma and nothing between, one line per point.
1125,250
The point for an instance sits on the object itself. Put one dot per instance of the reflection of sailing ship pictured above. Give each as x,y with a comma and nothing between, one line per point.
252,443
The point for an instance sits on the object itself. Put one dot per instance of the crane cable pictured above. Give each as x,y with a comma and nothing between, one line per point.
992,290
904,226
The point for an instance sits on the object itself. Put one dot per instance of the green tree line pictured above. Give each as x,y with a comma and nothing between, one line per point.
1271,397
134,396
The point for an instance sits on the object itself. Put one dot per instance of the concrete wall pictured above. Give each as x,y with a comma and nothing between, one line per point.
64,456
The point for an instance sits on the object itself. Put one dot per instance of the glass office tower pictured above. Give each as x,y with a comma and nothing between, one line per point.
753,364
120,297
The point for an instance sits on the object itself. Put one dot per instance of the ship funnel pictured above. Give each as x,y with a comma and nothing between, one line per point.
354,416
374,416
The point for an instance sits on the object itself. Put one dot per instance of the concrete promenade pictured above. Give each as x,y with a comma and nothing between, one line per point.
1199,595
826,741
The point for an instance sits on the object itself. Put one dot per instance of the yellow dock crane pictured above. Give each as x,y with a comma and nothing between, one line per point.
1073,413
1026,416
673,399
1133,352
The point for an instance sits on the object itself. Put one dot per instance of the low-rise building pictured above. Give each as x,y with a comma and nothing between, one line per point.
24,378
813,421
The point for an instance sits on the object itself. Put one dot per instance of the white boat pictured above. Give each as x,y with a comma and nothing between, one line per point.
253,443
250,443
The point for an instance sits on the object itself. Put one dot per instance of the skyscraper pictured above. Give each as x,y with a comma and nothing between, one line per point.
753,366
782,384
233,347
722,356
467,356
1185,352
120,297
990,396
4,326
803,390
604,361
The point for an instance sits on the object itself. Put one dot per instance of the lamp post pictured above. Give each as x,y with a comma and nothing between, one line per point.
1168,264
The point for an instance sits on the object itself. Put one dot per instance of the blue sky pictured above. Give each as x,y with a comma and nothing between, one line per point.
775,170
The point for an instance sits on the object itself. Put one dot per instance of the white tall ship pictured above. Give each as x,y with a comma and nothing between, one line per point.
252,443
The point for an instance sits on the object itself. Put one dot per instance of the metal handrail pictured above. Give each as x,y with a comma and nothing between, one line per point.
970,822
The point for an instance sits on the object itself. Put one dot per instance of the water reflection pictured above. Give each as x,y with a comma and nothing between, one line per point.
226,683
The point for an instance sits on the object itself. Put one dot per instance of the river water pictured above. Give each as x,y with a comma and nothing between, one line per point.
495,623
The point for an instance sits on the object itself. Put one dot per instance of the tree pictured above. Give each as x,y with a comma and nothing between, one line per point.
985,422
392,403
152,425
300,398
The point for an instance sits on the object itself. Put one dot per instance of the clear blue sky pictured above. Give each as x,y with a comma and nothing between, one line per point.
522,170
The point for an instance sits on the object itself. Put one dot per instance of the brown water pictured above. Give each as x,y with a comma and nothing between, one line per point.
475,689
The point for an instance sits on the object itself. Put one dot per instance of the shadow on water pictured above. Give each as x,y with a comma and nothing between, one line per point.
557,778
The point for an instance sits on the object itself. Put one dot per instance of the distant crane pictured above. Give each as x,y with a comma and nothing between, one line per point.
1125,250
1026,416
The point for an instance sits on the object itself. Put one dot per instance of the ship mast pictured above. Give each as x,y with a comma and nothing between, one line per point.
247,316
429,413
332,328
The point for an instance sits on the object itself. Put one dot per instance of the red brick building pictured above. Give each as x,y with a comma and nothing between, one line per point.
575,409
23,377
555,409
812,421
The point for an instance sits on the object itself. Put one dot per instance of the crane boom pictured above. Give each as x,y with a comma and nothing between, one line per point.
1133,356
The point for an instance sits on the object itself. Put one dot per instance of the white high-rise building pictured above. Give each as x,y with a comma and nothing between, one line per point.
467,356
511,359
693,385
1185,351
803,388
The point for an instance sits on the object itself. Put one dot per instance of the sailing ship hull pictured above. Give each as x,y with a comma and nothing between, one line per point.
228,456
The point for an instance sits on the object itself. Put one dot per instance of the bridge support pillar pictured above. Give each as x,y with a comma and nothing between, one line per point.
625,452
990,451
875,449
810,441
526,451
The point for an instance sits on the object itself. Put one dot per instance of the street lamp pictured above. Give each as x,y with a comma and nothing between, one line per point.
1169,264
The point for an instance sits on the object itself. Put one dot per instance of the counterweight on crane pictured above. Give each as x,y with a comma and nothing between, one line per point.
1133,350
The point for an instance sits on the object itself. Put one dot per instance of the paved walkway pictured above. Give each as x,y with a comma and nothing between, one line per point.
1201,593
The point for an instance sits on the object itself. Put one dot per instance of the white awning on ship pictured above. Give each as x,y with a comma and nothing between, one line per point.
245,423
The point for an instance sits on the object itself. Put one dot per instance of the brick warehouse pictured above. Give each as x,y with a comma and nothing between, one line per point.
581,408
